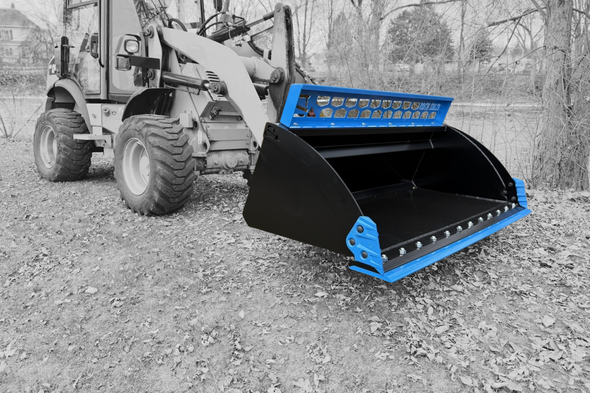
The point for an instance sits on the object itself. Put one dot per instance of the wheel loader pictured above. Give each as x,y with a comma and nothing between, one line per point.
176,89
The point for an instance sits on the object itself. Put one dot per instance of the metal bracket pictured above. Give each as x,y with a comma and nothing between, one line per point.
363,242
102,140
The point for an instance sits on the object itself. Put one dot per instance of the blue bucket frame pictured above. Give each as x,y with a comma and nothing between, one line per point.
312,106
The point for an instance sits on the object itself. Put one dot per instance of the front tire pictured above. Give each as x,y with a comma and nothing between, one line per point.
154,166
58,156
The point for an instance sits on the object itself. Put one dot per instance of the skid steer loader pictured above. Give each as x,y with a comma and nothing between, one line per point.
176,89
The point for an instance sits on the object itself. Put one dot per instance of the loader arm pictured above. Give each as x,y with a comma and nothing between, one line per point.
230,69
283,60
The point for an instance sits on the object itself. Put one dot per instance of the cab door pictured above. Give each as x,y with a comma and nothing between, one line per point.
123,21
83,28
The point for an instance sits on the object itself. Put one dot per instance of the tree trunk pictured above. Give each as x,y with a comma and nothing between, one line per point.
304,22
461,47
558,161
366,46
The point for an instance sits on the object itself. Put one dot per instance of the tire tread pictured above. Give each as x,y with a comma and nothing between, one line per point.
73,157
174,169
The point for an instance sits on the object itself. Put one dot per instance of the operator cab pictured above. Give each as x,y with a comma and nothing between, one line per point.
98,35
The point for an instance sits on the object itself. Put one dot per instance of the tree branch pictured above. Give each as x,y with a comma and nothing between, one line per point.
583,12
264,6
528,12
505,48
418,5
541,9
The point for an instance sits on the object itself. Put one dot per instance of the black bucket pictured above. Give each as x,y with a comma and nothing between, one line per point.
424,191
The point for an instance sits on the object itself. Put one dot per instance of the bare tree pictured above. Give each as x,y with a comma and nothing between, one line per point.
304,15
48,16
562,144
248,9
461,45
561,155
352,42
368,17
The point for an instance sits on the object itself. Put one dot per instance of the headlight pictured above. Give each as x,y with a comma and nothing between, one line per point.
131,46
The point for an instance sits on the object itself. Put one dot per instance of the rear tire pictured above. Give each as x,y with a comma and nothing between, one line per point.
154,166
58,156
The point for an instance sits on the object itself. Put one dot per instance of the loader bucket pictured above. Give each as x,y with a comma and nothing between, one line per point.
378,176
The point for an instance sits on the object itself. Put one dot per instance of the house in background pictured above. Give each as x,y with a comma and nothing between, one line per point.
15,29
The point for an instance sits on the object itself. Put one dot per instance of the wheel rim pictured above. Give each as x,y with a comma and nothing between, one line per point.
48,146
136,166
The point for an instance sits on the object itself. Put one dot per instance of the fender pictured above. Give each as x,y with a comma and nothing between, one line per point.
66,92
153,100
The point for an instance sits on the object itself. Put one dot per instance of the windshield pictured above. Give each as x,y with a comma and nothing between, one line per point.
162,11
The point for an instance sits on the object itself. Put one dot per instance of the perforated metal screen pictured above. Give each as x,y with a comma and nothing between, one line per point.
311,106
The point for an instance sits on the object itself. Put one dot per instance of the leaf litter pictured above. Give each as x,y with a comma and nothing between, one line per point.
203,301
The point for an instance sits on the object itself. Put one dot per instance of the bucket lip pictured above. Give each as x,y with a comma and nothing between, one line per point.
374,263
435,256
429,110
473,226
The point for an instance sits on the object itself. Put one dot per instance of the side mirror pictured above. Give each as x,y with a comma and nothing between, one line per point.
94,45
62,56
218,4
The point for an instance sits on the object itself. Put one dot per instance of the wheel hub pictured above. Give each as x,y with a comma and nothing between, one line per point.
48,146
136,166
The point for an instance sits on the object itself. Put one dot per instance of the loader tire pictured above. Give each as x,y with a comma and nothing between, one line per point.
154,166
58,156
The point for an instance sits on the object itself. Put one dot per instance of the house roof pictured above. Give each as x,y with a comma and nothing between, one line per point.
10,17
